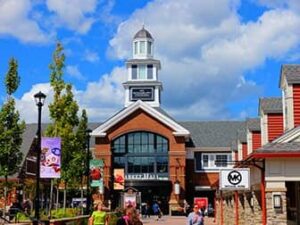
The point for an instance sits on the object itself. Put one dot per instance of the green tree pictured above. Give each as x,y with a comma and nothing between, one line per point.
11,127
63,114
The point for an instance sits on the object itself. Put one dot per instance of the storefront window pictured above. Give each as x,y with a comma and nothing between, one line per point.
141,152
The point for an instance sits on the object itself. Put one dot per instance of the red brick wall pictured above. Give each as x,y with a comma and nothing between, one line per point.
275,126
141,121
200,179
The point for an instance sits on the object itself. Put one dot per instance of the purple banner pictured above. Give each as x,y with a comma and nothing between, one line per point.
50,157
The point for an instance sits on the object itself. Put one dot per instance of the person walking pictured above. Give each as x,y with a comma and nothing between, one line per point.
156,210
99,216
195,217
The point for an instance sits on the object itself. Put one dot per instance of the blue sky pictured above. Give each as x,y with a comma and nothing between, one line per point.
218,57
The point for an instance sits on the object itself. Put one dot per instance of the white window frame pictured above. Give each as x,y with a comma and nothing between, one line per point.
211,161
139,75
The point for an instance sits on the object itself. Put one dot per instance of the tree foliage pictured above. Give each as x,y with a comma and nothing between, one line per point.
64,116
11,127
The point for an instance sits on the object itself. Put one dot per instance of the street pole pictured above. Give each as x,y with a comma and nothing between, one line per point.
87,171
39,98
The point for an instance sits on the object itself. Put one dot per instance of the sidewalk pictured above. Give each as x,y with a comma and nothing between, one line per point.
173,220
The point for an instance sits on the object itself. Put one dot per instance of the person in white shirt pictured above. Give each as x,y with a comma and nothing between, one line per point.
195,217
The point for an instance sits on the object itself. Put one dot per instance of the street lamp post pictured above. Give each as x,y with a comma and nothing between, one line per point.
87,171
39,100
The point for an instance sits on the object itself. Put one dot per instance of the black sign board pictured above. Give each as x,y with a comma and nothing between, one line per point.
144,94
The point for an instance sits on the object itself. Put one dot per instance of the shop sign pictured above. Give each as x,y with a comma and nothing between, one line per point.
201,202
146,176
235,179
145,94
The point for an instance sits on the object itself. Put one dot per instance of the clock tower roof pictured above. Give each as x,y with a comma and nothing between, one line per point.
143,33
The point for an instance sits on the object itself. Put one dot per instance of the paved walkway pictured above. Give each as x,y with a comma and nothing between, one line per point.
173,220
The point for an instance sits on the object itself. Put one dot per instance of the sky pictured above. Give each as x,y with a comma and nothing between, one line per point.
218,57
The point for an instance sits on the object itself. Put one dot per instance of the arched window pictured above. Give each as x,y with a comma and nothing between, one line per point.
141,152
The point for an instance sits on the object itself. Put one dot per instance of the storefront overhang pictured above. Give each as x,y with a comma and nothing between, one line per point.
204,188
275,155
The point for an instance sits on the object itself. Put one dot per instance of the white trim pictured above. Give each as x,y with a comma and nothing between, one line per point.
288,136
211,161
102,129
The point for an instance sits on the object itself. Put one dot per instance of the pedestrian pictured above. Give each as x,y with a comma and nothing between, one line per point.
195,217
144,210
27,206
99,216
135,219
148,210
186,207
156,210
127,217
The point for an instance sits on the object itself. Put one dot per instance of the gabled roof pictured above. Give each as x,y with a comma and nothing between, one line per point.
280,147
288,136
242,134
253,124
212,133
178,130
270,105
291,72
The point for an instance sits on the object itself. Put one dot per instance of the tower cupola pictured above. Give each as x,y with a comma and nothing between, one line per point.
142,81
142,44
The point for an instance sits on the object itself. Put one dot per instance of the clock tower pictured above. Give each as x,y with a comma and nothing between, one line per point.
142,78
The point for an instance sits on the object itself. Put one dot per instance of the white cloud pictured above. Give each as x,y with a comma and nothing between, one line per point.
205,50
103,98
74,72
91,56
26,104
100,99
74,14
15,21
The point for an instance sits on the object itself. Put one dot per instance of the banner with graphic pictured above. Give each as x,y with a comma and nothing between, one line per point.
129,200
96,172
50,164
119,181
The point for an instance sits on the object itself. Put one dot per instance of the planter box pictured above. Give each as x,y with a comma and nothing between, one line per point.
78,220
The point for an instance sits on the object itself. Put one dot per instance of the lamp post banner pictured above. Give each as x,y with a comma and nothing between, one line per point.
96,172
119,181
50,163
